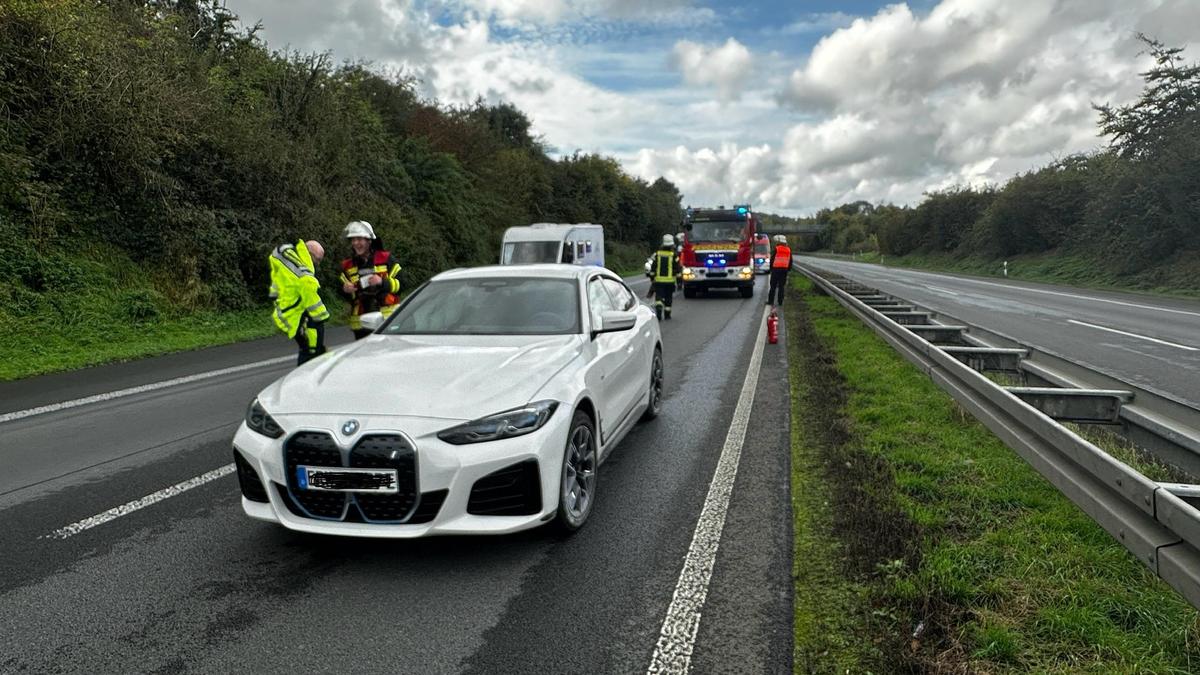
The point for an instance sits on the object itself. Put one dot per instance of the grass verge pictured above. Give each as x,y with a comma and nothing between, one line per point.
923,544
28,351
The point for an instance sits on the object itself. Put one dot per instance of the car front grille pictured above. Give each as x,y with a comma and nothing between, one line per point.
387,452
515,490
376,451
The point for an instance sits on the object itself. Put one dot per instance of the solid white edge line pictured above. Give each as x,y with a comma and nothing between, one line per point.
1134,335
673,651
138,504
141,389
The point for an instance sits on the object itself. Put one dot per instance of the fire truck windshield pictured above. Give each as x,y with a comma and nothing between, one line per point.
730,230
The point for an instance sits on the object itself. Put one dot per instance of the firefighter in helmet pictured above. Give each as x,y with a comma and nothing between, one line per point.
299,311
665,273
781,263
370,276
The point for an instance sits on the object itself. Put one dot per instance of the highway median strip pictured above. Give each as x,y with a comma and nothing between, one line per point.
997,571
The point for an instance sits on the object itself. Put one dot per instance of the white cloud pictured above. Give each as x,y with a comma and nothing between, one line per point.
725,67
900,103
884,107
553,11
818,23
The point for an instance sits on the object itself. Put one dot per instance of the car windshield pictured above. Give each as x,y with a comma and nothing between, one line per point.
761,248
527,252
731,230
490,306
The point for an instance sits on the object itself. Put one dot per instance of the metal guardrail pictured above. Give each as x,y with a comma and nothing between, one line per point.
1155,521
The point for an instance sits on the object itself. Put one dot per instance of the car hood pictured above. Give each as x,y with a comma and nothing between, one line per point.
445,376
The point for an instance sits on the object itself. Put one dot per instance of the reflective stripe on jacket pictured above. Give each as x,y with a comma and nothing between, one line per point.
294,288
382,298
666,266
782,258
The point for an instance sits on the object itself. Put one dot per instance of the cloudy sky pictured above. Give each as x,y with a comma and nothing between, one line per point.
788,105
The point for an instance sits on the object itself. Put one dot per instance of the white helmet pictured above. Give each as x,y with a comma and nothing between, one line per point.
781,239
359,228
668,240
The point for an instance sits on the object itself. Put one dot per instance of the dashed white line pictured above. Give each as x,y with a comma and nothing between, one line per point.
673,651
939,289
138,504
1134,335
141,389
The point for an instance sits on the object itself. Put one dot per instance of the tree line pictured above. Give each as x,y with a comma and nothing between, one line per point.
1134,205
161,139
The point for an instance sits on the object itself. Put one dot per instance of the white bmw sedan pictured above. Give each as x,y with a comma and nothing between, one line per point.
484,405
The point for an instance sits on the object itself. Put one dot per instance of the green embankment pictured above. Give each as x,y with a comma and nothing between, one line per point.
923,544
152,155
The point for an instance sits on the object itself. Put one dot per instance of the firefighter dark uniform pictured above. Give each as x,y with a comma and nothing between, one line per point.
382,298
781,263
299,311
664,274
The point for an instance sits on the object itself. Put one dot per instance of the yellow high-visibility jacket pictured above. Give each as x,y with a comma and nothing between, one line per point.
666,266
294,288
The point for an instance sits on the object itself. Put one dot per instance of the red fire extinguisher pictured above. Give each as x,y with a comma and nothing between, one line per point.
773,327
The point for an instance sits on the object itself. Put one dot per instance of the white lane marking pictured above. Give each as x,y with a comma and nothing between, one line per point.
673,651
121,393
1134,335
939,289
1039,290
138,504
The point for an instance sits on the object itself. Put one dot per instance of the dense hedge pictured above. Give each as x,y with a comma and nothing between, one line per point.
159,145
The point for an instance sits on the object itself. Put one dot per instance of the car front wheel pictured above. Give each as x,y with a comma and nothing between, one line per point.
577,488
654,406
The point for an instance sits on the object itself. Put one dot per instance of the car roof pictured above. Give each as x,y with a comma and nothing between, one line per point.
544,270
547,231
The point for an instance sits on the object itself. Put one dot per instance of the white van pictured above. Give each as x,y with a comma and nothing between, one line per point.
578,244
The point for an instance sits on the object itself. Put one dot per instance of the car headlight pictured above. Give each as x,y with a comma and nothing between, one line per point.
516,422
689,273
747,272
259,421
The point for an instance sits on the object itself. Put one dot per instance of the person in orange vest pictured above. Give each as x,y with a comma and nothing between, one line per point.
370,276
781,263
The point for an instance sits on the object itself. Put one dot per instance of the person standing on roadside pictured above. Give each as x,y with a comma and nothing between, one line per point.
299,311
370,276
781,263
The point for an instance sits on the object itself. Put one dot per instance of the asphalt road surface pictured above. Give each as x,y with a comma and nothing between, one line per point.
1151,342
183,582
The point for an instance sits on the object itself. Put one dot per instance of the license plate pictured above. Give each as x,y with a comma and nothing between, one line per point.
343,479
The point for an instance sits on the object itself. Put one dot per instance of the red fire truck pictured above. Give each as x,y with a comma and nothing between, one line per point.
718,249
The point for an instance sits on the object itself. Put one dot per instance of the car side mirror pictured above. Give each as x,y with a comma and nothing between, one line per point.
371,320
613,322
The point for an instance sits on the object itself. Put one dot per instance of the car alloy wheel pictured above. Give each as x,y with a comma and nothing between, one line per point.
577,492
656,386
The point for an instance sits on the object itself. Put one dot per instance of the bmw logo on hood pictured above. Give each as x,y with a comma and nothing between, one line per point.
349,427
